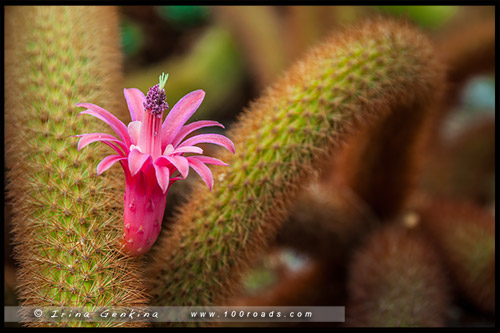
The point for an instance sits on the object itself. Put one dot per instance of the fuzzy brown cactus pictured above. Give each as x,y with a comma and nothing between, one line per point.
464,235
396,280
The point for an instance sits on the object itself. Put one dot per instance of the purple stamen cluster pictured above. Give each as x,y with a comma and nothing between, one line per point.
155,100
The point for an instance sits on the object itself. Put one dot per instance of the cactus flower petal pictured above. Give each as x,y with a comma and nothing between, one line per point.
136,160
202,170
134,129
135,99
107,162
86,139
210,138
117,126
180,113
189,128
140,145
180,162
162,174
188,149
208,160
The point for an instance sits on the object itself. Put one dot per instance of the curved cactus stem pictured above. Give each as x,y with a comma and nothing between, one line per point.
354,77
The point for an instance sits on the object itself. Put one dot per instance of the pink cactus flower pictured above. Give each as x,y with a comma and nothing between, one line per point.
152,155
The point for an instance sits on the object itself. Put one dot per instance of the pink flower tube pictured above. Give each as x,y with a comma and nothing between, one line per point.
152,155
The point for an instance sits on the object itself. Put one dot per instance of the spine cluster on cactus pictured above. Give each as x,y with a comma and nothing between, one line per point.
353,77
464,234
66,220
396,280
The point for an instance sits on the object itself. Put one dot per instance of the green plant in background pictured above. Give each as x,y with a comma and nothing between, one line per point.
66,220
212,65
132,38
183,16
257,31
432,17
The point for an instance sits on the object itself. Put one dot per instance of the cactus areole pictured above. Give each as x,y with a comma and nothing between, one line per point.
152,155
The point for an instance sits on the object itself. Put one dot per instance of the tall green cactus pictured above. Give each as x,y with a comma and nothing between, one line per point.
376,69
66,220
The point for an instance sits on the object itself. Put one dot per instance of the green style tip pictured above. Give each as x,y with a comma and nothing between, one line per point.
162,79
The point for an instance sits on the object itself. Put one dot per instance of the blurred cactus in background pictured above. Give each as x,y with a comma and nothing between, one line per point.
363,176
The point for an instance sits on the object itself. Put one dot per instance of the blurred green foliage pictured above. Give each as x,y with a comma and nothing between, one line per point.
132,38
258,279
432,17
213,64
181,17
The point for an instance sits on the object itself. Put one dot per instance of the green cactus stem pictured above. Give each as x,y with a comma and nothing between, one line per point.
66,220
396,280
353,77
